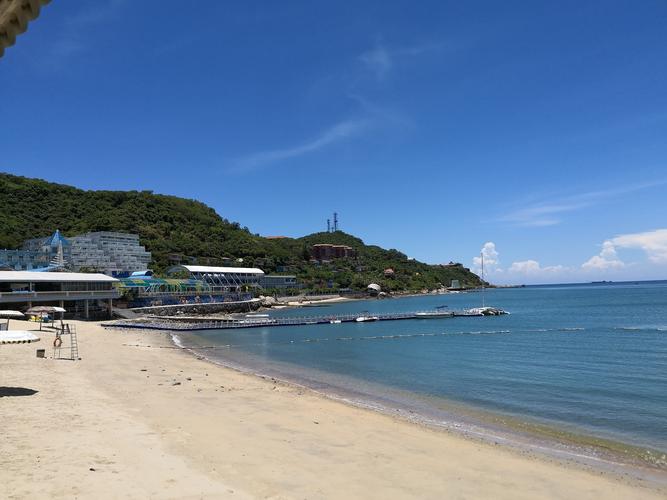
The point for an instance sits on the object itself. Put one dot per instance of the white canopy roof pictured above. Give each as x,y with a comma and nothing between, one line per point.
33,277
46,309
18,337
223,270
11,314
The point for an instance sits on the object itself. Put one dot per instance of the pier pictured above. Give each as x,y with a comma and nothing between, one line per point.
258,321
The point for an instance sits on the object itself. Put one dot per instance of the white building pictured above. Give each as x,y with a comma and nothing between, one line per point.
81,294
231,278
109,252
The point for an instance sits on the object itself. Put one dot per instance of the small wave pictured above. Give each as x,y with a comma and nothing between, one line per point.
176,339
492,332
563,329
413,335
649,329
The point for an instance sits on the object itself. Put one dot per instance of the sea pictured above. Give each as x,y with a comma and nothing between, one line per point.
581,368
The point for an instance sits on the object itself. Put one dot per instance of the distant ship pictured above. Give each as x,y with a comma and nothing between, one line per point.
600,282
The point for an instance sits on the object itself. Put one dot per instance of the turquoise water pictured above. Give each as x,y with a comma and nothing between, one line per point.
589,359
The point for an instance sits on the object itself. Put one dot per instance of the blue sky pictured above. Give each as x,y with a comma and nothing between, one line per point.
533,130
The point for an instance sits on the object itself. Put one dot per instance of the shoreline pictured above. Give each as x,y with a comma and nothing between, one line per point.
519,433
153,420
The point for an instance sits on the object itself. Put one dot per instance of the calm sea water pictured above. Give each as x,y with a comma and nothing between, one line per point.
589,359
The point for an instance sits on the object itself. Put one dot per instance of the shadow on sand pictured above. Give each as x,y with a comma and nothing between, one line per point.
16,391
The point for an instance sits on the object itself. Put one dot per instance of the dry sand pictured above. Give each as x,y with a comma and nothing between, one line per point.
114,425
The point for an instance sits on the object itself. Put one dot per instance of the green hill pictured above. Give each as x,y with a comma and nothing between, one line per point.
170,226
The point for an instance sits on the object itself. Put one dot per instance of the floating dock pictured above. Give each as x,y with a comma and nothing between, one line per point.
262,321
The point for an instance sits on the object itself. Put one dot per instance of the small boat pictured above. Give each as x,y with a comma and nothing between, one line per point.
335,321
255,318
485,311
364,318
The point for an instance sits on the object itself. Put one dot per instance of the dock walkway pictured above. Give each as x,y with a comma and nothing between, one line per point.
264,322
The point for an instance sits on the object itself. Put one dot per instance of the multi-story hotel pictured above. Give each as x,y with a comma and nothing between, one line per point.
111,253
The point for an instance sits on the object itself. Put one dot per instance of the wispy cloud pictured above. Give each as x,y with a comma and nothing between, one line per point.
72,38
549,212
381,60
339,132
378,60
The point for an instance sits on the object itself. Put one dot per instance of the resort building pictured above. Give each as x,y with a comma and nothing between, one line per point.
325,251
81,294
109,252
229,278
233,278
148,291
112,253
22,260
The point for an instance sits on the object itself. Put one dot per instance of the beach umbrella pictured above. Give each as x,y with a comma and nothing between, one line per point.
18,337
45,310
10,315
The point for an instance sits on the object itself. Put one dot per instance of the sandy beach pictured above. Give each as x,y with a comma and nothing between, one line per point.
136,418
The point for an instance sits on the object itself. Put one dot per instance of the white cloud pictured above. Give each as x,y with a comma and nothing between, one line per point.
606,259
337,133
654,243
529,270
533,268
549,212
491,259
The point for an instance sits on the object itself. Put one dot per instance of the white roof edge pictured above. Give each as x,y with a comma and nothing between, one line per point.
31,276
213,269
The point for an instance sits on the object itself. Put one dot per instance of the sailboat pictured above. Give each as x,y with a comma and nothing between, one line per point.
484,310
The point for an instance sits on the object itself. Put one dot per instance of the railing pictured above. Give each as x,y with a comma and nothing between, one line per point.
260,322
144,294
63,294
66,293
250,322
188,300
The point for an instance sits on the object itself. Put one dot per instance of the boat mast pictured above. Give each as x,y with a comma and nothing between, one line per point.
482,254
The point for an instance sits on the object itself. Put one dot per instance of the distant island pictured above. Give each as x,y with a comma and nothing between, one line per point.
178,230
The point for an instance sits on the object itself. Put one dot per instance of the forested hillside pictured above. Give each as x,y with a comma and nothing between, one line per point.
169,225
